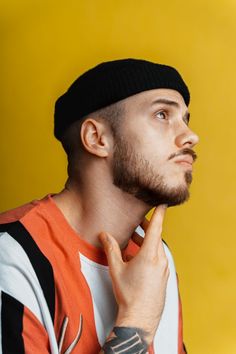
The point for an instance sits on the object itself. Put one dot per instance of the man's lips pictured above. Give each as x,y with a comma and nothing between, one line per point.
184,157
184,160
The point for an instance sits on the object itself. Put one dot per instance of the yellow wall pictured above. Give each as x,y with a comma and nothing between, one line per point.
46,44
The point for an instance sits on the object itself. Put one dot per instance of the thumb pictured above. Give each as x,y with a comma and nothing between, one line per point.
111,249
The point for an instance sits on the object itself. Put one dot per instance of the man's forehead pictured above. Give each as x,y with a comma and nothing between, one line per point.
152,97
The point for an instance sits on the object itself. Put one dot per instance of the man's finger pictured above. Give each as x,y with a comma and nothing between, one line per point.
153,233
111,249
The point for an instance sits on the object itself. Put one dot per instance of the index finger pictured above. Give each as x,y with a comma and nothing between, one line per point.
153,233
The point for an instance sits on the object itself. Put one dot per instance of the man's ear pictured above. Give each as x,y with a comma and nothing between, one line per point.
95,137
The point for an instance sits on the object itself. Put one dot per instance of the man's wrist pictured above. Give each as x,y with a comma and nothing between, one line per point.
130,319
124,339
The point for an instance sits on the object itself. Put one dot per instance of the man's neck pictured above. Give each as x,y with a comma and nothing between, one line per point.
93,208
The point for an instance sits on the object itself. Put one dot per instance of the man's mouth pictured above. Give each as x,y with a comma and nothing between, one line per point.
185,157
185,160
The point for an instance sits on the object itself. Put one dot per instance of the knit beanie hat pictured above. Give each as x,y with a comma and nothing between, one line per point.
111,82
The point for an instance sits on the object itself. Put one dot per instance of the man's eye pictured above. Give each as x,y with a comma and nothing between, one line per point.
161,115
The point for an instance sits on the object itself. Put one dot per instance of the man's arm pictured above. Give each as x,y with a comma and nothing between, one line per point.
140,300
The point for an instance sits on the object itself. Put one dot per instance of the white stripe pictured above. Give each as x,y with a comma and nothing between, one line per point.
18,279
166,338
104,304
77,338
63,332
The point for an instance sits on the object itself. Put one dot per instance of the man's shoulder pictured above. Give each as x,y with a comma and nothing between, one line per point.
24,266
25,224
17,213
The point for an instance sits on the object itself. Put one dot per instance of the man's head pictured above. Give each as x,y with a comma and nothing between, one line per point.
134,114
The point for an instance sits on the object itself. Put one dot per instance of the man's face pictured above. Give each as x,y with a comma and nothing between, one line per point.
153,148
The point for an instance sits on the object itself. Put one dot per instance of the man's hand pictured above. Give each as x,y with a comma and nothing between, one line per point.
140,285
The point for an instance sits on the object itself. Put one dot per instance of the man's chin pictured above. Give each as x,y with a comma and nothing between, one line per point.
180,194
174,199
171,197
177,199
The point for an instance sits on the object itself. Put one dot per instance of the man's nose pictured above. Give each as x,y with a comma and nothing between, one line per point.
187,138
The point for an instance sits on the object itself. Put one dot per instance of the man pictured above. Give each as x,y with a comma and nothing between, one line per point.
75,274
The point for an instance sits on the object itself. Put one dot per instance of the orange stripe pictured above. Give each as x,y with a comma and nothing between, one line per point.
34,334
151,349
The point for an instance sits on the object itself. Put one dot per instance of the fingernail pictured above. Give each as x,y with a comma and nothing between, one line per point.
103,236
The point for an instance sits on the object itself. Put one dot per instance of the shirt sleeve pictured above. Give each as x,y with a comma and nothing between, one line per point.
26,325
21,331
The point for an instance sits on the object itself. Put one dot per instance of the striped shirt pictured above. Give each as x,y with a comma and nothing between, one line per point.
56,291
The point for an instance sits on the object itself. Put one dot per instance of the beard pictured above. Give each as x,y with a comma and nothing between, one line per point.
133,174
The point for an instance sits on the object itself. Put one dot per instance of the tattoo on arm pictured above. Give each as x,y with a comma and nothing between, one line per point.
127,341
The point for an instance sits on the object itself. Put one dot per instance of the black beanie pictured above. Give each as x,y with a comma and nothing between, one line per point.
111,82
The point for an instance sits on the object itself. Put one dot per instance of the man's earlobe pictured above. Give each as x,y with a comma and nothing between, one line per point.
93,137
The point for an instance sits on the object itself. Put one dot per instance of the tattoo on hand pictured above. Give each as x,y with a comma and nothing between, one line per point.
127,341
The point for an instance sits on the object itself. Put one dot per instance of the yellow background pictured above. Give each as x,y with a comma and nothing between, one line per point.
47,44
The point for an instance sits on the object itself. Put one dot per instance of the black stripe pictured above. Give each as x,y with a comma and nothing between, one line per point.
12,325
40,263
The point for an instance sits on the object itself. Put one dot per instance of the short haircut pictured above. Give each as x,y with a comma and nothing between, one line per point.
71,140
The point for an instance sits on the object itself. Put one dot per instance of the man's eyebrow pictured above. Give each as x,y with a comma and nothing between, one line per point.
165,101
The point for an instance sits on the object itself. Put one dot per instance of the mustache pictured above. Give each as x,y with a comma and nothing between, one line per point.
185,151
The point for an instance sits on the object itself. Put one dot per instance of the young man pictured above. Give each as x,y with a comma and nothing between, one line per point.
75,275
